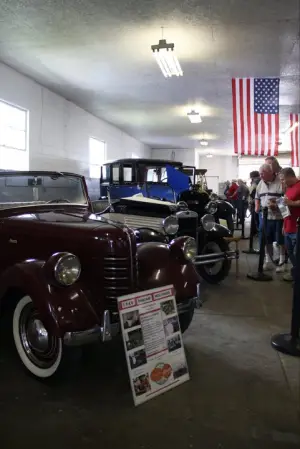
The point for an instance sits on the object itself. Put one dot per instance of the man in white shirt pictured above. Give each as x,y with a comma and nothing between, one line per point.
268,191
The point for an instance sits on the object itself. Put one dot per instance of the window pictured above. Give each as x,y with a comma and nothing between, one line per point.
14,153
97,156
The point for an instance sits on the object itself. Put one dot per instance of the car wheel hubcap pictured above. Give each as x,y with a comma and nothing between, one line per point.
41,348
215,267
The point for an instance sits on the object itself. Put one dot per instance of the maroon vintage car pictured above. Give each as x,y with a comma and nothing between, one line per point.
62,269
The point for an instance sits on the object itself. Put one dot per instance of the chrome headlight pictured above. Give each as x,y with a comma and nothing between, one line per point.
67,269
190,249
212,207
171,225
208,222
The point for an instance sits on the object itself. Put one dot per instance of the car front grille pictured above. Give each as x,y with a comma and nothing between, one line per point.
188,223
119,279
136,221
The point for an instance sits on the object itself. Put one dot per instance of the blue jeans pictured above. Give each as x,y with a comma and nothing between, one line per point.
290,243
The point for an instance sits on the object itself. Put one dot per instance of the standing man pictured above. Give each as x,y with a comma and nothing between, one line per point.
268,191
292,200
273,161
242,200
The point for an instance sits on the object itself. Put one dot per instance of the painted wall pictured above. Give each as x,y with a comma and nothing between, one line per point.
187,156
59,131
225,167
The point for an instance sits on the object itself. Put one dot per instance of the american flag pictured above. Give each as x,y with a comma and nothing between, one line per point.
295,134
256,116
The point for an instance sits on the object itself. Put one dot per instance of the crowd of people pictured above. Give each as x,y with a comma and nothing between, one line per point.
270,187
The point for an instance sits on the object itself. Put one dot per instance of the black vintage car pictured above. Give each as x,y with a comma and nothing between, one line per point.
137,192
208,202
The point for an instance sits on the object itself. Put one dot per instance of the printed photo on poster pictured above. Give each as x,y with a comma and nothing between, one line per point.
171,325
168,307
137,358
131,319
134,339
174,343
141,384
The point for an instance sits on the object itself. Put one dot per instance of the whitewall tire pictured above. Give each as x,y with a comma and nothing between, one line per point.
40,353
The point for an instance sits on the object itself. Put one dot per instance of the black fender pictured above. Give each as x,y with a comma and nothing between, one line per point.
216,233
62,309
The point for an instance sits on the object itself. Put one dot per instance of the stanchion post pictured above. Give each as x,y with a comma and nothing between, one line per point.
251,250
243,211
260,275
290,343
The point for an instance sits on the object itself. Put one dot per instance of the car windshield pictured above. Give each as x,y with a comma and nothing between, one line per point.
34,189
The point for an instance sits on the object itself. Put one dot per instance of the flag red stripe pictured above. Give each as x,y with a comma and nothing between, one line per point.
242,116
276,134
297,140
270,132
294,163
249,124
234,116
256,134
263,136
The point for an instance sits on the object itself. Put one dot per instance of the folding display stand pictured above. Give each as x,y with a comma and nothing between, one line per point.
251,250
290,343
259,275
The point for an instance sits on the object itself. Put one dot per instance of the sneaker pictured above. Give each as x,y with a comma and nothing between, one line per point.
288,277
268,266
280,268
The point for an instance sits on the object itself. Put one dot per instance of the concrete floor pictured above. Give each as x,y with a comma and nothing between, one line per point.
242,394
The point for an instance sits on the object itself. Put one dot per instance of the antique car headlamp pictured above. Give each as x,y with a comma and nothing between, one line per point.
208,222
211,208
190,249
67,269
171,225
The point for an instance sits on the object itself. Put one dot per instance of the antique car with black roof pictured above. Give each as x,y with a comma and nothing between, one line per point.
62,269
143,193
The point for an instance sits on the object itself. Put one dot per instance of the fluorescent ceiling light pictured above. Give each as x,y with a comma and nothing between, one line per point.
209,155
203,142
166,59
194,117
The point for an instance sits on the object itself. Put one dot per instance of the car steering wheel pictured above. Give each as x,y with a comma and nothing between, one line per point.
59,200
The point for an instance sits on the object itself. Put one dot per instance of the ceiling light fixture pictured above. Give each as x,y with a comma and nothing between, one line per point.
194,117
203,142
209,155
166,59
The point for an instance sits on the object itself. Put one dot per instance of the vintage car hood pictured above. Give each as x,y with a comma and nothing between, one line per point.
142,199
75,220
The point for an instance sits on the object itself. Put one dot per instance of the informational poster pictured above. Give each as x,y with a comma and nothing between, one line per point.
153,342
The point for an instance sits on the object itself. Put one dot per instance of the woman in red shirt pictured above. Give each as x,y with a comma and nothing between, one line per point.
292,200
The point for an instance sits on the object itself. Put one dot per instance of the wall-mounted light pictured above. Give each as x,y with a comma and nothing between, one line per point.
194,117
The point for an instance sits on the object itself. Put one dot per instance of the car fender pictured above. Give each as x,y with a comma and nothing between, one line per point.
158,267
62,309
149,235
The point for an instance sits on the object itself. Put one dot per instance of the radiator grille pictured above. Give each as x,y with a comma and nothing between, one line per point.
119,279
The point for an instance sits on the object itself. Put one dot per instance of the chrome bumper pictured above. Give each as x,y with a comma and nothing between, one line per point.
215,257
105,333
108,330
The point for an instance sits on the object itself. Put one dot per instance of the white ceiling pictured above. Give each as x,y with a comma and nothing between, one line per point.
97,54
